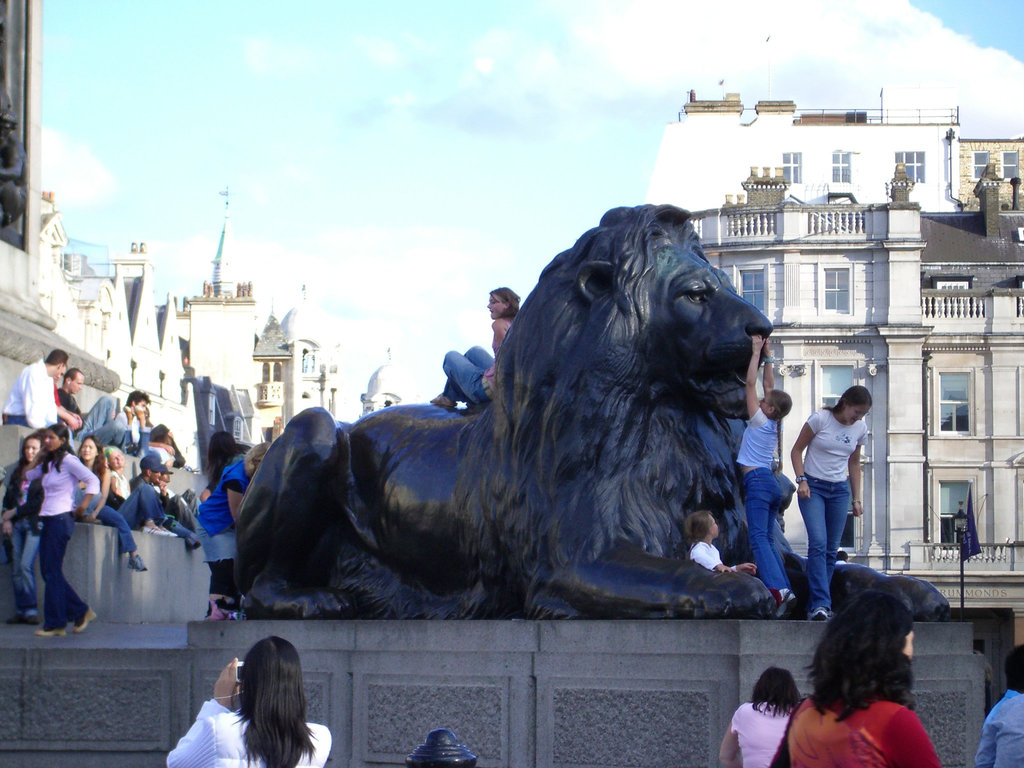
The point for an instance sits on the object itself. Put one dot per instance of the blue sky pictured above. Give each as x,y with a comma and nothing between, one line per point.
402,159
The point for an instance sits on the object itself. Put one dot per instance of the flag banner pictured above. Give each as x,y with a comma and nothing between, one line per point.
971,546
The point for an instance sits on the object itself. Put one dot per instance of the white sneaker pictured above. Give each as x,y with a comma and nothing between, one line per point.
158,531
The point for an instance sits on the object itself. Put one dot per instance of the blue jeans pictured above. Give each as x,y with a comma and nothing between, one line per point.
113,519
60,601
141,505
25,543
824,516
465,375
762,505
100,425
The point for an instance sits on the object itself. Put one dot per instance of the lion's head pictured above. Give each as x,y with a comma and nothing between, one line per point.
636,304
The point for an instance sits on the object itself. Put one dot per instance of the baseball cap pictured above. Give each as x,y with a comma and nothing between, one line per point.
153,464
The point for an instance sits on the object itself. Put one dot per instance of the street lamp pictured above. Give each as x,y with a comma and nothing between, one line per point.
960,526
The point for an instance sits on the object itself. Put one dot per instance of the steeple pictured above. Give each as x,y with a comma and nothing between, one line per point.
223,283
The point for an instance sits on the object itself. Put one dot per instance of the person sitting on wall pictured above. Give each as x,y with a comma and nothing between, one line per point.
133,425
471,376
99,422
161,443
33,401
144,510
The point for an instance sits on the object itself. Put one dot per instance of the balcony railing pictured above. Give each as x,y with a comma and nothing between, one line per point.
755,224
946,557
269,394
964,311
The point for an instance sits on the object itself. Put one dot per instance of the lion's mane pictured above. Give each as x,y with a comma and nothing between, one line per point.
588,446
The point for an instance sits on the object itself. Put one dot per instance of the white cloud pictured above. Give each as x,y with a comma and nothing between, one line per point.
70,169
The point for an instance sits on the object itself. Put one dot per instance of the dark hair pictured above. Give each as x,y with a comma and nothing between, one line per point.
697,525
159,434
860,658
775,692
1014,668
138,396
781,402
273,705
71,373
221,451
510,297
57,357
99,463
855,395
15,479
56,458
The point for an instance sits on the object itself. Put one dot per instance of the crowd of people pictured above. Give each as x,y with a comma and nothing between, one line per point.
72,468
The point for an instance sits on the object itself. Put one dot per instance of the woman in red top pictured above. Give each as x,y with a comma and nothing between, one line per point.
859,715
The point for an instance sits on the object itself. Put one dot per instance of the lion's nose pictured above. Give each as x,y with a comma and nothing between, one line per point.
759,325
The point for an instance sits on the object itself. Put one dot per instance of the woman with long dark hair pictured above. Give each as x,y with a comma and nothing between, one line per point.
61,472
757,727
257,716
98,511
860,713
222,451
23,528
827,476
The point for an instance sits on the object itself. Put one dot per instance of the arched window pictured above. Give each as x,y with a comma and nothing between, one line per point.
277,371
308,361
266,372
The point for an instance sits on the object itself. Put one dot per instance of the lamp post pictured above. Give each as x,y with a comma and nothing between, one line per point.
960,526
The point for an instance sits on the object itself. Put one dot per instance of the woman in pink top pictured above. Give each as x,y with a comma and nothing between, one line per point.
758,726
61,472
471,376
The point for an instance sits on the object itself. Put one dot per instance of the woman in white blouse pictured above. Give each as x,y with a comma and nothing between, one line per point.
257,716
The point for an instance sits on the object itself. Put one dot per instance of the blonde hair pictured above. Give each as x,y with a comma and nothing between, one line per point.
697,525
254,457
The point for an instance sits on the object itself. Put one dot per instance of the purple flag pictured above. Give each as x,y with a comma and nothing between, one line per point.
971,546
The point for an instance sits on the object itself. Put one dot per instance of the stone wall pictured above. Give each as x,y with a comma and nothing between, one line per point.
995,148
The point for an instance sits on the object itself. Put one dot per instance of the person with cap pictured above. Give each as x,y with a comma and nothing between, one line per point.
144,509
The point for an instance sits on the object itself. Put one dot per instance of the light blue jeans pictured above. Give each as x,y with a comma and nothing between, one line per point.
824,516
465,375
25,543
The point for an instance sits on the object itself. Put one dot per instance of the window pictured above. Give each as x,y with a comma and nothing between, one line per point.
835,379
915,164
954,405
308,362
266,372
951,496
837,290
791,162
841,167
945,284
1011,165
752,287
980,161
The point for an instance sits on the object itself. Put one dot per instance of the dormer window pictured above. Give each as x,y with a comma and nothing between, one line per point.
952,283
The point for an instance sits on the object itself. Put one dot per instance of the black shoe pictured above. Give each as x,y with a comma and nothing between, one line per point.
17,619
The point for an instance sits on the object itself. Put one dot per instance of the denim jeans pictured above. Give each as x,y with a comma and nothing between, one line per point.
824,516
114,519
141,505
100,425
465,375
60,602
762,505
25,542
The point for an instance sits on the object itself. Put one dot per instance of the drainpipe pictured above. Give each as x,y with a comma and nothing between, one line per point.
950,136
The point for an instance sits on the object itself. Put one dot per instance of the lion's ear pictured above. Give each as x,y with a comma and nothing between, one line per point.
594,279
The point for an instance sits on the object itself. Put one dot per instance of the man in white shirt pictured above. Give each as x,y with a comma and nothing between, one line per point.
33,399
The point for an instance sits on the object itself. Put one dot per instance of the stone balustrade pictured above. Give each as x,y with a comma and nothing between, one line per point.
930,556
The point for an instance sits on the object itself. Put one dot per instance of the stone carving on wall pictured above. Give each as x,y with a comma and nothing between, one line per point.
618,411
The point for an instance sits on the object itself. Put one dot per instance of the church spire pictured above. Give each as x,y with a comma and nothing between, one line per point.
223,284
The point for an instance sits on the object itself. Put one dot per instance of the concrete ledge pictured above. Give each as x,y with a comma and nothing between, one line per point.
175,589
517,693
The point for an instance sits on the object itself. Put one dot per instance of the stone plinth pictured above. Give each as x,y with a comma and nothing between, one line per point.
516,693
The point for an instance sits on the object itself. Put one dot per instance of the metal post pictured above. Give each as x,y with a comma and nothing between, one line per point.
441,750
960,525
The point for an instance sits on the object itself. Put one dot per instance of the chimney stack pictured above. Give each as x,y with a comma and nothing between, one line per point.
987,192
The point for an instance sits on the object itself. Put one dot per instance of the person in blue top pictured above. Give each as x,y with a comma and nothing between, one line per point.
217,516
757,450
1002,734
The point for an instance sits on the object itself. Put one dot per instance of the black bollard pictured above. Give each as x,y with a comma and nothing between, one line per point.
441,750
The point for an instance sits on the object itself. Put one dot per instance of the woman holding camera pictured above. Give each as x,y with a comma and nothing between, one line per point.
257,716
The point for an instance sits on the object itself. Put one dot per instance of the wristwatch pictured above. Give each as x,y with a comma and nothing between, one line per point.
800,479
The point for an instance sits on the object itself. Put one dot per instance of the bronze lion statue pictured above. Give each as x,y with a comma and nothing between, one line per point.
619,394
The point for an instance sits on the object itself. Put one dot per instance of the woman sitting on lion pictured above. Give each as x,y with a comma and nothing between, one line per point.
471,376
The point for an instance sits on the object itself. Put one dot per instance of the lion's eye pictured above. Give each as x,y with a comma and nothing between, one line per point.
697,294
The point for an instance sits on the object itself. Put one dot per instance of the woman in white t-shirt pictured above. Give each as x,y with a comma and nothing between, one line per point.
758,726
832,439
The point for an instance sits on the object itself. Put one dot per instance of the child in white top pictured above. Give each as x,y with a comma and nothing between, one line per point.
701,528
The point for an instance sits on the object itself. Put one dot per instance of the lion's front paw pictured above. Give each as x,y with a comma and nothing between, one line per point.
275,599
